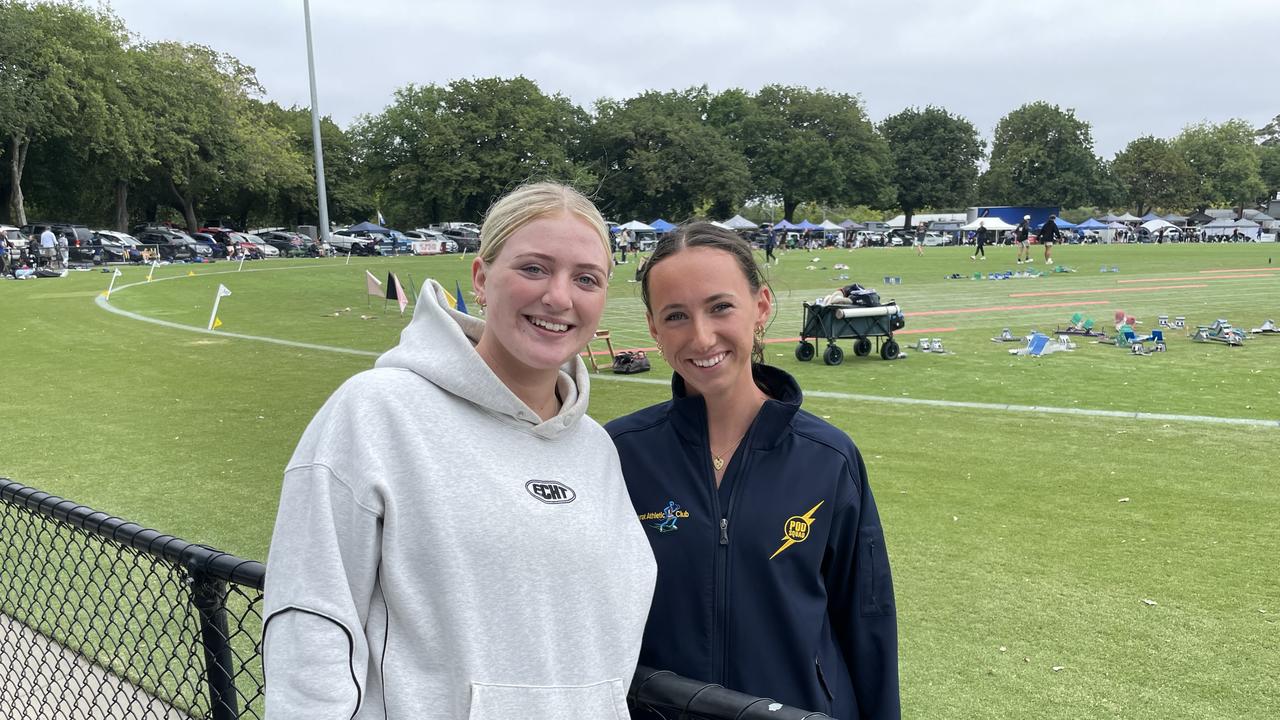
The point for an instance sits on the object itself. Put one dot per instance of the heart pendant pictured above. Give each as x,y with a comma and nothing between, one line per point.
717,463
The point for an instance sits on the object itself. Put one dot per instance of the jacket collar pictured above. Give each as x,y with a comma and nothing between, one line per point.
689,412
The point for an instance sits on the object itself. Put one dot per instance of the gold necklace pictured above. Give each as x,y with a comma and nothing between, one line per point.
718,461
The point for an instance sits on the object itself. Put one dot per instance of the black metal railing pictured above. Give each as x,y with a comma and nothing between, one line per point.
99,613
101,617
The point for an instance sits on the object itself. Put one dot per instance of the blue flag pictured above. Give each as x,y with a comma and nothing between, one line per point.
462,305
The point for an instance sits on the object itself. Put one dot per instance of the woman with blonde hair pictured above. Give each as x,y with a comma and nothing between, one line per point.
454,537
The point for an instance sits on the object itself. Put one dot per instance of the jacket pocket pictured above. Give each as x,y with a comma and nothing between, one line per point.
822,680
874,579
600,701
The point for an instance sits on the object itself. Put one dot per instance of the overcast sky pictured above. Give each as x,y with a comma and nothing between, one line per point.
1129,67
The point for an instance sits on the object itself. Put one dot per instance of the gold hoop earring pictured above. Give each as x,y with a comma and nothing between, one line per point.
660,352
759,332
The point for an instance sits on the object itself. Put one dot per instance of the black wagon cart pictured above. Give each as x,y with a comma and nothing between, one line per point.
860,323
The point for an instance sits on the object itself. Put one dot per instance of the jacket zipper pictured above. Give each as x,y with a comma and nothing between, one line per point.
872,550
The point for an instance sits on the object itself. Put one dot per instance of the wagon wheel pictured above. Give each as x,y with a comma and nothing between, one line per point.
862,347
833,355
805,351
889,350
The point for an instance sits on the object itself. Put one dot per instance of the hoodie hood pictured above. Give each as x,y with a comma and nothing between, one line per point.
439,345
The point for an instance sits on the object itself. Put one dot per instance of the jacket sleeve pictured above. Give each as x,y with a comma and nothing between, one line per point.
860,597
322,570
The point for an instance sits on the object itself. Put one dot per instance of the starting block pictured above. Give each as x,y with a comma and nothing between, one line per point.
1005,336
1113,268
892,280
1268,328
1039,344
1178,323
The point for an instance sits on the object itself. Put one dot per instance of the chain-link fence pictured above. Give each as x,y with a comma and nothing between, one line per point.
101,618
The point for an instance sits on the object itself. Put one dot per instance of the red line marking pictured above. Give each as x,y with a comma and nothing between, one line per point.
1108,290
961,311
1210,272
1212,277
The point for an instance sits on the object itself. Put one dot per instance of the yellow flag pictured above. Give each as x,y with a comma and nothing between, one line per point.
453,301
191,273
217,322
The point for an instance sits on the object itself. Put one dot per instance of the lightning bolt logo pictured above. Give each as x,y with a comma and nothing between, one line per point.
796,529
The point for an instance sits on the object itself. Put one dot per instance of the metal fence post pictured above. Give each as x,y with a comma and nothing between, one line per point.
208,595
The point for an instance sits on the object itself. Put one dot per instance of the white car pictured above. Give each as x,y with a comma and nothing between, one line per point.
934,238
263,248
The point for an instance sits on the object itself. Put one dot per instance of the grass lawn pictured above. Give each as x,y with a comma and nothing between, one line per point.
1047,564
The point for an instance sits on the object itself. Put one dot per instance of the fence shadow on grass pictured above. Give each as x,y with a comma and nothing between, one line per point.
103,618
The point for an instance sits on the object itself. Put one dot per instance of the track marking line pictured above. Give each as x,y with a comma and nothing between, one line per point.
963,311
1108,290
105,304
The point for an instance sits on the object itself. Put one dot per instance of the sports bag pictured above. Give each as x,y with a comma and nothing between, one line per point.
629,363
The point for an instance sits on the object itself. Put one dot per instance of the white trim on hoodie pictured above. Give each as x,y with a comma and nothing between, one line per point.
442,552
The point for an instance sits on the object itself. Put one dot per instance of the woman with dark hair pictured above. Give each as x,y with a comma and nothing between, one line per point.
773,577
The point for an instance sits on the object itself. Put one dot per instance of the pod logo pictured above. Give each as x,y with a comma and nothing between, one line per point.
796,529
551,492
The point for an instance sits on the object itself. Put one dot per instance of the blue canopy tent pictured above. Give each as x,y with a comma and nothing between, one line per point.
1091,224
1065,224
662,226
369,228
1151,216
806,225
784,225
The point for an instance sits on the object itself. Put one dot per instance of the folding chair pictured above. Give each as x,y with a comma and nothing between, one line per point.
591,357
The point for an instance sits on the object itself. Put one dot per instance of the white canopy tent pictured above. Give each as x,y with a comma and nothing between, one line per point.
830,226
1128,217
990,223
636,225
1155,226
720,225
737,222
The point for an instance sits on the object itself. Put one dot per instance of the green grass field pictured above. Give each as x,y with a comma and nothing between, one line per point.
1049,564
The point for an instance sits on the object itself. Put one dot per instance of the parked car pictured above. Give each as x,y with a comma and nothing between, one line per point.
79,238
205,240
934,238
285,242
467,240
354,242
169,244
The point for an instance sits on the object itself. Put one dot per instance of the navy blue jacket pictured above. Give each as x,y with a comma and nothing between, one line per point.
777,584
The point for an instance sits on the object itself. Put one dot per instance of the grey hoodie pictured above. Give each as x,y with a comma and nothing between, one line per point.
441,552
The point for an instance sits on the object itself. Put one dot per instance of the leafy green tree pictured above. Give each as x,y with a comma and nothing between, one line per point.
1153,174
814,145
1269,134
935,158
1224,159
445,153
1040,155
658,156
1269,168
53,58
211,137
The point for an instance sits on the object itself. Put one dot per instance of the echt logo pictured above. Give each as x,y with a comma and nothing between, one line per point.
551,492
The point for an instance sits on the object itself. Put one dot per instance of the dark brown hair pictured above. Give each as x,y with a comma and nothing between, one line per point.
704,234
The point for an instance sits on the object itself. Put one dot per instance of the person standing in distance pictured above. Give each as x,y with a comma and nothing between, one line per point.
494,574
919,239
1020,236
982,242
773,578
1048,235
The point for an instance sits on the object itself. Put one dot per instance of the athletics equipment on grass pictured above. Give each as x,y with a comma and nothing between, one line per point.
1220,332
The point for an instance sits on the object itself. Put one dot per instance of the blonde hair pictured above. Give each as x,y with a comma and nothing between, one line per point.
533,201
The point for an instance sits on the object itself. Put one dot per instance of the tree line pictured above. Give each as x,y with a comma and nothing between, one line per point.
101,127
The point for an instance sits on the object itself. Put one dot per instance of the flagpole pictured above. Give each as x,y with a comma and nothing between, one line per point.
322,195
112,285
152,270
214,315
412,293
241,264
348,256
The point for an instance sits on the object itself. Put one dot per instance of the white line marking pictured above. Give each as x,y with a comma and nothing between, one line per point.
825,394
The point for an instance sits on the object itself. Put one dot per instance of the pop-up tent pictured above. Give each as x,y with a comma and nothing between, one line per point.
1091,224
1149,217
637,226
990,223
806,225
737,222
662,226
369,228
1128,217
828,225
1156,225
851,225
784,225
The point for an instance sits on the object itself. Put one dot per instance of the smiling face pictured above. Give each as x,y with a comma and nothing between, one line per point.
704,315
544,294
